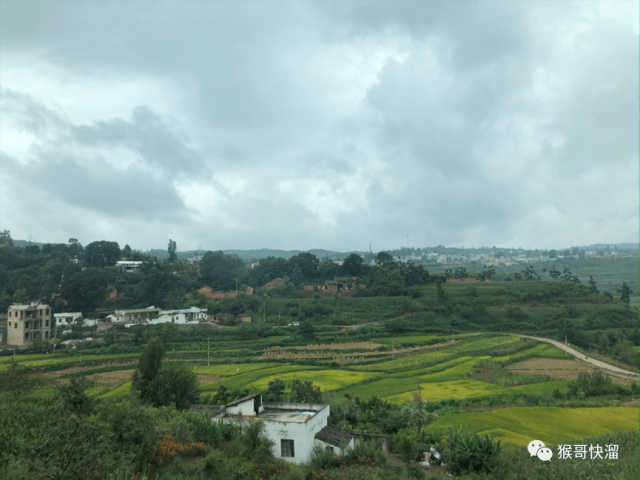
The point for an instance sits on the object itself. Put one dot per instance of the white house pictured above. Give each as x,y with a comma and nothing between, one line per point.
66,319
295,428
128,265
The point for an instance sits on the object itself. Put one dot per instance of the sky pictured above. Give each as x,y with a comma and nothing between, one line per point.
335,125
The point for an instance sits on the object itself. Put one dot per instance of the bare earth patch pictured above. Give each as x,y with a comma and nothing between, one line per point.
557,368
203,379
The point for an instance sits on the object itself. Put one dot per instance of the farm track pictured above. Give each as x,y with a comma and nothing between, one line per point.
612,370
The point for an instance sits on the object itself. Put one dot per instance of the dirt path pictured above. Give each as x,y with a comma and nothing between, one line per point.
585,358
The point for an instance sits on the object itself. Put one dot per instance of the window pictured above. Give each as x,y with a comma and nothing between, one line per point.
15,325
46,323
286,448
9,322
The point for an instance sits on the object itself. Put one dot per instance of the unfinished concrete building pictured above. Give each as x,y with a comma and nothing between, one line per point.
26,323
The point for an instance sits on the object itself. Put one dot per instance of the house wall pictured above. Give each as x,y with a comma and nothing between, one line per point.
336,450
301,433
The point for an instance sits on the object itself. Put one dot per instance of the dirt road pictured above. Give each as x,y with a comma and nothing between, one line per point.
584,358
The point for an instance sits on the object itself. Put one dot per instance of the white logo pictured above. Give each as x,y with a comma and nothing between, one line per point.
537,448
545,454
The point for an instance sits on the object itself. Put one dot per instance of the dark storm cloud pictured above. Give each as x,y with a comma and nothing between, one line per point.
327,124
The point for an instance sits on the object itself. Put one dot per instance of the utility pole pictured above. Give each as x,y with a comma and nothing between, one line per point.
208,360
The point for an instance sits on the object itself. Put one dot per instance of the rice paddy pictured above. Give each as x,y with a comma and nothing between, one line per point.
118,392
516,427
325,379
228,370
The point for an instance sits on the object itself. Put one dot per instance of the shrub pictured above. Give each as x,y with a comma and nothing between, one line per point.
469,452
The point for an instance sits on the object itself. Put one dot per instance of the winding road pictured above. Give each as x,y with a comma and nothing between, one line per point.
584,358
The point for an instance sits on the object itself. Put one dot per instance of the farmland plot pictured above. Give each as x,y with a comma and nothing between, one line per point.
325,379
516,427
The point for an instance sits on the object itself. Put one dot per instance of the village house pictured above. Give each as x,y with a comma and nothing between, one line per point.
66,319
129,265
27,323
207,292
295,428
137,315
276,282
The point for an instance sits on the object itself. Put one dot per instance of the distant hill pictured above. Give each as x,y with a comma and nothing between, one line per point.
612,246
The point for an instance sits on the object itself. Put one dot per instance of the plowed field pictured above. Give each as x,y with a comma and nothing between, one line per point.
557,368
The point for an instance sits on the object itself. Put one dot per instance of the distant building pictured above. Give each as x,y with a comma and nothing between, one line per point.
128,265
276,282
27,323
65,319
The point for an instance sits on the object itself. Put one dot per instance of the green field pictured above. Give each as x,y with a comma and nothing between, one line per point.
518,426
48,360
228,370
417,339
325,379
118,392
242,380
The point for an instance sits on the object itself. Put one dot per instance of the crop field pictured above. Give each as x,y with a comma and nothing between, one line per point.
524,353
408,361
230,369
242,380
39,361
325,379
382,388
454,373
457,389
553,352
482,344
118,392
516,427
433,368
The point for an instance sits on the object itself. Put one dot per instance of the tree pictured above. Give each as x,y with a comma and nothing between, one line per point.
353,265
305,392
384,260
175,383
625,292
554,273
440,290
172,251
275,390
5,238
307,263
306,330
126,252
553,253
592,285
220,271
102,254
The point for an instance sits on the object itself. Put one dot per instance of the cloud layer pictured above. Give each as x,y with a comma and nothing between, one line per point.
320,124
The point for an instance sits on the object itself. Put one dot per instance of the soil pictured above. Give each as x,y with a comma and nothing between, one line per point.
202,379
557,368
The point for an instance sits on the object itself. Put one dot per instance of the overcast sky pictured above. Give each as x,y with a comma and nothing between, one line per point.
300,125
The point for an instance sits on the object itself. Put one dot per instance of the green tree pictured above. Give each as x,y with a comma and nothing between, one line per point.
305,392
126,252
592,285
306,331
625,293
101,254
307,263
385,260
172,251
149,365
74,396
177,384
275,390
353,265
220,271
5,238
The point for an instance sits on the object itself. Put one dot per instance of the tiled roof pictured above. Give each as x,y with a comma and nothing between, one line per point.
333,436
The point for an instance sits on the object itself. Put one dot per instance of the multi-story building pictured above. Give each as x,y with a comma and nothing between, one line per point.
28,322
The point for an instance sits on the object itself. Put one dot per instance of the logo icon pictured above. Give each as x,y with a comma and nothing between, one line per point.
534,446
545,454
538,449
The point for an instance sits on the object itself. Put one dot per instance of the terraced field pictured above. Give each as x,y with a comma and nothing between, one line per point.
228,370
325,379
244,379
516,427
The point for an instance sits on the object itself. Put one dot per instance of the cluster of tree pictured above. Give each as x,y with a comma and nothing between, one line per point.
170,384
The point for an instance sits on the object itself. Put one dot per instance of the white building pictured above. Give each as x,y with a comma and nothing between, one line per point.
66,319
128,265
295,428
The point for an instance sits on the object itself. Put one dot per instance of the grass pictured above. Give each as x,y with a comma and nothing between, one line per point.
516,427
325,379
231,369
94,391
43,393
119,392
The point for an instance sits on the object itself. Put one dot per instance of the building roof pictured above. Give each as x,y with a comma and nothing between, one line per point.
333,436
212,410
244,399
